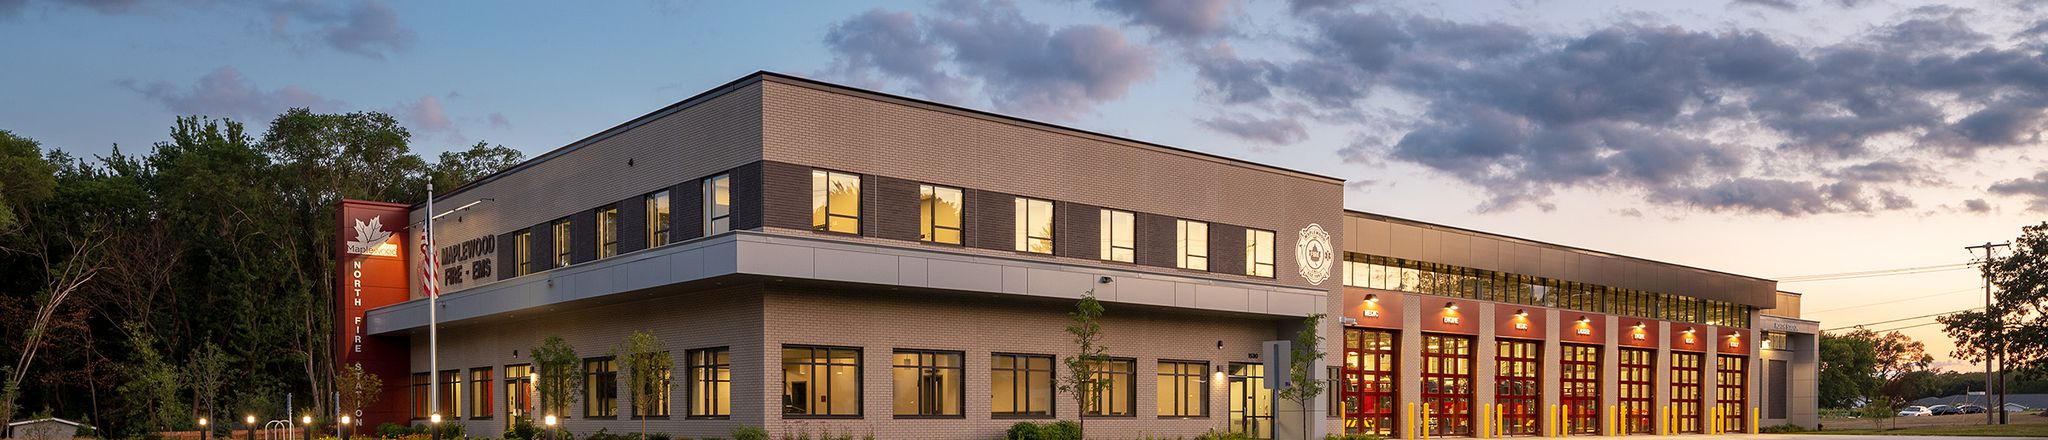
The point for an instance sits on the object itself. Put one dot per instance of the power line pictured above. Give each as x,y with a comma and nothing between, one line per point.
1876,273
1906,327
1903,319
1951,292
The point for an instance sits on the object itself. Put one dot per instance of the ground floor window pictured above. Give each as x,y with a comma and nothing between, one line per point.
1518,388
1732,392
518,393
1447,384
656,391
928,383
1637,390
600,387
1581,388
451,394
1369,382
420,382
1183,389
480,393
1687,391
710,382
1119,395
821,381
1251,404
1021,385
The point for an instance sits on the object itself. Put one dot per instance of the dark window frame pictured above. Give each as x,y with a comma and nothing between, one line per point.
1108,236
859,192
700,383
714,223
660,207
522,253
561,228
815,362
959,371
667,403
1130,394
1020,375
1022,233
518,387
482,399
1180,378
607,231
928,216
1251,251
1184,243
591,391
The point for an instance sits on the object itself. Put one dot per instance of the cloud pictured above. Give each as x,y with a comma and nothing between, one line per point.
1782,5
2034,189
225,92
498,120
367,28
1022,66
1276,131
1976,206
1177,19
1706,119
1307,6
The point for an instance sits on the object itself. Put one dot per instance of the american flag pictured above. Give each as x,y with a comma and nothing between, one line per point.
427,265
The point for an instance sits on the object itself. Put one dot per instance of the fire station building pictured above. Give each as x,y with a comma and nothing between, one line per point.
819,258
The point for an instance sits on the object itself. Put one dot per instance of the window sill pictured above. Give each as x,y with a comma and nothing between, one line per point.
1022,416
928,417
724,417
821,417
649,418
1183,417
600,417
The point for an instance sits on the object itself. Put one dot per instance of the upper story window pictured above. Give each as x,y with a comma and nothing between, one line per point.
657,219
835,202
607,232
717,204
561,236
522,253
1118,230
938,214
1258,253
1034,225
1191,244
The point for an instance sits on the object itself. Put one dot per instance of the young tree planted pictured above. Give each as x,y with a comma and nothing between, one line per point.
1081,382
358,388
647,374
1302,386
560,375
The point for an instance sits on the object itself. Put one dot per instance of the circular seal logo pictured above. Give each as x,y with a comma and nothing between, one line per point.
1313,253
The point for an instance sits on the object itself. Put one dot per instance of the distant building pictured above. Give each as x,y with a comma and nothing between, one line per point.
43,429
823,258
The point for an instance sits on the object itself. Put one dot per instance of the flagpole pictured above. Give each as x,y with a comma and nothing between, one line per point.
433,306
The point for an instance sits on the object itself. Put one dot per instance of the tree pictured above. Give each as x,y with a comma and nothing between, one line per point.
1302,386
358,388
458,168
206,372
61,245
24,176
1848,370
1889,377
1082,381
153,385
560,374
647,374
2016,325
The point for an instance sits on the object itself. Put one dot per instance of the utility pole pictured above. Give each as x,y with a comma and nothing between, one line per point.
1997,347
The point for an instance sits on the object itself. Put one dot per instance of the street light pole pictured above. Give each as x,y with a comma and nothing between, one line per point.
433,318
1997,348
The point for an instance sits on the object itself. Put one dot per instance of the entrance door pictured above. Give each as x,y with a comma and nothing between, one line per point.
1733,392
1251,404
1687,391
1368,389
1447,384
1581,383
1518,385
1638,390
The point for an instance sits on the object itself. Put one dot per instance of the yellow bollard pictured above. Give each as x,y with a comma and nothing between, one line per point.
1411,420
1428,423
1564,420
1752,420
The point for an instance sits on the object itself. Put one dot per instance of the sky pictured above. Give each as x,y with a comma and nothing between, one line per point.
1771,138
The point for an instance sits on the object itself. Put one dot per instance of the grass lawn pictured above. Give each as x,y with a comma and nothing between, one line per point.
2023,425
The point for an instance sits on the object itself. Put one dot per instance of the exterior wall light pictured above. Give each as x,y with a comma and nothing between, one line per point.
1450,306
1521,313
1372,298
1585,320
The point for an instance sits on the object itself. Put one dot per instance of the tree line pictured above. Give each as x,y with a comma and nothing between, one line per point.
140,292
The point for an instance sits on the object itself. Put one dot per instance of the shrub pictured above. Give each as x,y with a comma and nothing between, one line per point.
392,430
1782,429
744,432
522,429
1061,430
606,434
1351,437
656,436
1213,435
1022,431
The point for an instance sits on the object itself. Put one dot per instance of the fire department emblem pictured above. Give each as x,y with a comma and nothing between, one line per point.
1313,253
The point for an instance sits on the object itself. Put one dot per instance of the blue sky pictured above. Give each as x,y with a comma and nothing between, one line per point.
1763,137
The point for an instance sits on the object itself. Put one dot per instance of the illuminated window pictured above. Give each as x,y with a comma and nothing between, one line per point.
717,204
1777,341
561,237
518,392
1118,394
1183,389
658,390
938,214
710,382
820,381
1118,229
607,232
480,393
451,394
419,394
1191,244
1251,406
1258,254
928,383
835,202
600,387
1034,225
522,253
657,219
1021,384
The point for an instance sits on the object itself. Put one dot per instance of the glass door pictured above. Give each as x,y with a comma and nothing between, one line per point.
1732,394
1686,391
1447,384
1368,388
1251,404
1637,392
1518,385
1581,383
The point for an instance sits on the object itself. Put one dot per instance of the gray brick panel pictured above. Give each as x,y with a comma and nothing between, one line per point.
633,223
1080,231
894,206
1226,249
583,236
995,220
1155,235
543,246
781,193
508,262
687,222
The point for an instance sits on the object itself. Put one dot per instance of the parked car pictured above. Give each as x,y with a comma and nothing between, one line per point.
1970,409
1914,411
1943,410
2016,408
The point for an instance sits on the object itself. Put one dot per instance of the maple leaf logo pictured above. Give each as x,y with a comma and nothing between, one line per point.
368,235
